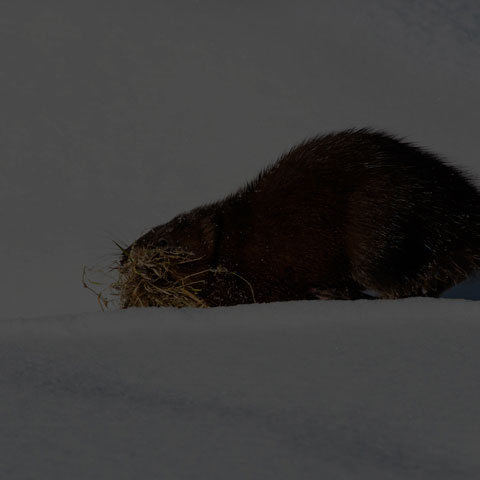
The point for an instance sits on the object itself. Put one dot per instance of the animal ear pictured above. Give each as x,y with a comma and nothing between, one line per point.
211,229
208,229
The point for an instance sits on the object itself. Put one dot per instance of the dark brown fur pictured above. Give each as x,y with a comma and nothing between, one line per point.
335,216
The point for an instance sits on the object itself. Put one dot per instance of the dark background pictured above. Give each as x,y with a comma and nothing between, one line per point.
115,116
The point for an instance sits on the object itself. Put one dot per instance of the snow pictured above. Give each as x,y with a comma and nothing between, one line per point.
360,390
115,120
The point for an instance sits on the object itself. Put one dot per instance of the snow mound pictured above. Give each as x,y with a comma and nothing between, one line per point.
301,390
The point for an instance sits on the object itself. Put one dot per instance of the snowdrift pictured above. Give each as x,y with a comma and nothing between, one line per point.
301,390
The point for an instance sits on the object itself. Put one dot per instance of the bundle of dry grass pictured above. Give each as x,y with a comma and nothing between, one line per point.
149,277
152,277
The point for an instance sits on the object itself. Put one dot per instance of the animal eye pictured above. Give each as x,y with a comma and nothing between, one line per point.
162,243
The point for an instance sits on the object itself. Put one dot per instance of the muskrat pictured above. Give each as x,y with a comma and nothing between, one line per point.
336,216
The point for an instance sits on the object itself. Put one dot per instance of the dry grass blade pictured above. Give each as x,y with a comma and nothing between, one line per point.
92,285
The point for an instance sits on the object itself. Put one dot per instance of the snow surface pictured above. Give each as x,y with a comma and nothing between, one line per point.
299,390
113,120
